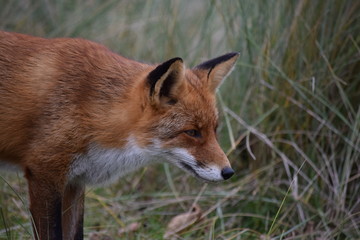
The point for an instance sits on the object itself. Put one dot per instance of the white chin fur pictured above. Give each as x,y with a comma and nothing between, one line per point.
187,162
101,165
210,173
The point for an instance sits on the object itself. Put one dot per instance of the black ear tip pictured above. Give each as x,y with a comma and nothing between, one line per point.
213,62
232,54
176,59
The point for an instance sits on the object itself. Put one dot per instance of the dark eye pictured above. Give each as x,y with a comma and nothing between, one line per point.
193,133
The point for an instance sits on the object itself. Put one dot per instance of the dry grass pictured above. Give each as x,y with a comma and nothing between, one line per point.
292,103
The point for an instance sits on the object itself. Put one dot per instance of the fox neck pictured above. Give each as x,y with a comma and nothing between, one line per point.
101,165
118,118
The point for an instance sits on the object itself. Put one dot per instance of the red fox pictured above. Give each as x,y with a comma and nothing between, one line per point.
74,113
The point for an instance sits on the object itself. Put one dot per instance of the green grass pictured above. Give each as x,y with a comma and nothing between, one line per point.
292,102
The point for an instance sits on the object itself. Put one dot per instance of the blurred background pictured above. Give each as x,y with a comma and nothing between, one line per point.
290,117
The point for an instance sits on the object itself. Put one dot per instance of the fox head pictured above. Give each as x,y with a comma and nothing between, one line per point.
180,117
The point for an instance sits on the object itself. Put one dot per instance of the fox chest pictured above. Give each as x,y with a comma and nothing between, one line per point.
100,165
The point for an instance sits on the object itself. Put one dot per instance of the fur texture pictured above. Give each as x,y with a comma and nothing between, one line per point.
73,113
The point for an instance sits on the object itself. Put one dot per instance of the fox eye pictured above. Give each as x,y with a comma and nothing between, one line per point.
193,133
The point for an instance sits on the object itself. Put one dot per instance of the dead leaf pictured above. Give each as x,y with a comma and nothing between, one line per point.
99,236
132,227
183,221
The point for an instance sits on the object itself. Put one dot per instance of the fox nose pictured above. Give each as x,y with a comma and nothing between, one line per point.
227,172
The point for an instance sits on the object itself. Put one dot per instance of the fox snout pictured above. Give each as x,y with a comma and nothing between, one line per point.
210,173
227,172
213,173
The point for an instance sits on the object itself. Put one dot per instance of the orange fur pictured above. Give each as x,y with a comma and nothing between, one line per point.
65,102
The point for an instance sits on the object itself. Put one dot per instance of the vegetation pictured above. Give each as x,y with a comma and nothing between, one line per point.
292,103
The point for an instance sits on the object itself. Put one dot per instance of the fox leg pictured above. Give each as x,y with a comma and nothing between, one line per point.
73,212
45,205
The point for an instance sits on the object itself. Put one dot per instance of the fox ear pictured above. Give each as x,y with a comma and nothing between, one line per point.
218,69
165,81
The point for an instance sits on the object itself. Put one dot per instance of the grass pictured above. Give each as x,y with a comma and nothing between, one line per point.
292,103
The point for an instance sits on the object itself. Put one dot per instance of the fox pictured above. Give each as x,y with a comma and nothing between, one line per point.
73,113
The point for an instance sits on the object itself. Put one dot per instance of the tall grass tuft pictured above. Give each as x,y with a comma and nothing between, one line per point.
292,104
